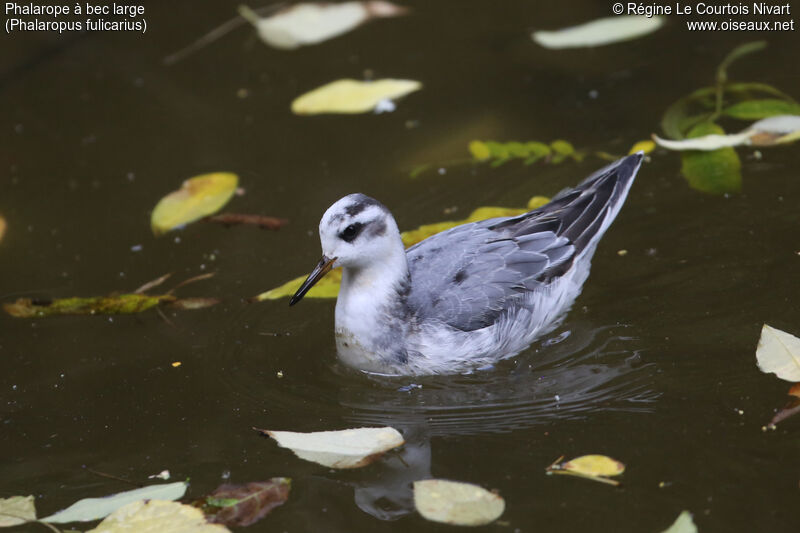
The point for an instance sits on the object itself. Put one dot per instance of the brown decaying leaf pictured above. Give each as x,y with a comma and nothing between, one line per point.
233,219
243,505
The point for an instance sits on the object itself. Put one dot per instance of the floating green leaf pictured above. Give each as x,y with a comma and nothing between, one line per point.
16,510
531,151
457,503
328,287
120,304
715,172
113,304
756,109
479,150
96,508
198,197
157,516
243,505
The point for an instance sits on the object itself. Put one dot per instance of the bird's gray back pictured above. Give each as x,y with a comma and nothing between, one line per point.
469,275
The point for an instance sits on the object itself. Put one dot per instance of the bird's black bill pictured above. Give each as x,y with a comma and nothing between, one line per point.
323,267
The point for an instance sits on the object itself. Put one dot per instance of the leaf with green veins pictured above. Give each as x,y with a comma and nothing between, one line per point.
757,109
715,172
748,88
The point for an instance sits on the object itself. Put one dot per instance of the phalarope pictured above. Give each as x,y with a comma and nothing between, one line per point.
468,296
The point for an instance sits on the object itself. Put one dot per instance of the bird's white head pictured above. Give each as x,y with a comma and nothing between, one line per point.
355,232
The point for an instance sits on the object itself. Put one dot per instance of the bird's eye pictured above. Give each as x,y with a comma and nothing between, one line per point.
351,232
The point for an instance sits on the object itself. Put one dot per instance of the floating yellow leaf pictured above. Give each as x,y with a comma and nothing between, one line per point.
352,96
594,467
157,516
682,524
599,32
778,352
312,23
348,448
198,197
642,146
328,287
457,503
16,510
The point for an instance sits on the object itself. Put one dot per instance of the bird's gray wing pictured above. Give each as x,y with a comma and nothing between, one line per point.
469,275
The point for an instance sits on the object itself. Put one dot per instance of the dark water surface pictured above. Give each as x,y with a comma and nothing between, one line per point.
654,366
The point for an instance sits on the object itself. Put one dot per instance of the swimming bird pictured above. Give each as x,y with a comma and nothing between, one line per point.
468,296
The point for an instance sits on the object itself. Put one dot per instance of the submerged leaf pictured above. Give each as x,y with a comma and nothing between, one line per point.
763,108
305,24
3,226
233,219
594,467
788,410
16,510
457,503
198,197
157,516
778,352
243,505
682,524
191,304
95,508
599,32
328,287
348,448
716,172
352,96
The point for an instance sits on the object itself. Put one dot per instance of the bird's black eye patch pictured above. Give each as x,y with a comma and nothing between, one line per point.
350,233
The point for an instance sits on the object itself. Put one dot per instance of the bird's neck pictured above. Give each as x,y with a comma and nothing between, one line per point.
372,313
